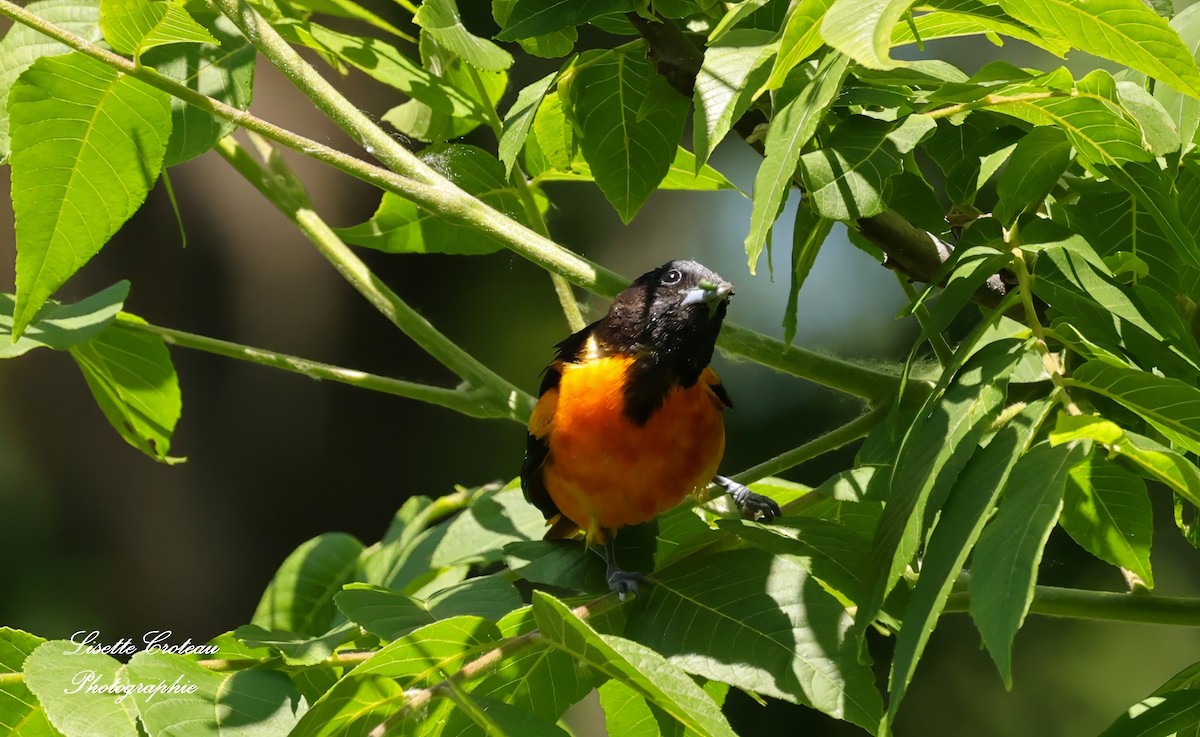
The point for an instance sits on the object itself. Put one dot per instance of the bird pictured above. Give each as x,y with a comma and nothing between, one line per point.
629,418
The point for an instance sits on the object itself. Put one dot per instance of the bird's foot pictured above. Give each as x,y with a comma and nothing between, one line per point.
624,583
751,504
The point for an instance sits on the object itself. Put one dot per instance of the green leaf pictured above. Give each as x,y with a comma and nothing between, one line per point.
808,233
386,64
1152,189
803,101
22,46
1036,165
952,18
300,597
426,655
970,503
134,26
1010,548
390,614
61,326
400,226
625,712
934,450
134,382
681,176
1159,716
1183,109
429,122
498,719
733,70
59,673
20,711
631,120
88,143
1107,511
767,628
1154,460
1159,133
494,519
845,178
862,29
519,120
354,706
1125,31
224,72
440,19
1170,405
300,650
801,38
528,18
253,701
553,134
544,681
645,671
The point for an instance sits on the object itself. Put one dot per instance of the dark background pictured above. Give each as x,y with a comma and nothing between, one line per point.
95,535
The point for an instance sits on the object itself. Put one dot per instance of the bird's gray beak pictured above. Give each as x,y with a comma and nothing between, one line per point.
708,293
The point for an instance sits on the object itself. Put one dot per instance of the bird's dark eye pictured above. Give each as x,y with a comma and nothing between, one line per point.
672,277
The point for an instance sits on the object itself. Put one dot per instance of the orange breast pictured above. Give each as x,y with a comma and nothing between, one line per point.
604,471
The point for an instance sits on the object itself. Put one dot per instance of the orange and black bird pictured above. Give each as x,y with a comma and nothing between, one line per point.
629,417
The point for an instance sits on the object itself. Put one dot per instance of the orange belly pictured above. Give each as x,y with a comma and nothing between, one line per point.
604,472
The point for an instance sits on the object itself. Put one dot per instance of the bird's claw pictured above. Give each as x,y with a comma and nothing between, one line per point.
751,504
625,583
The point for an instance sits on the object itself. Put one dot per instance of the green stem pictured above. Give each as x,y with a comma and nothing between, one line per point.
472,403
992,101
562,288
283,191
830,441
450,202
936,340
1052,364
1053,601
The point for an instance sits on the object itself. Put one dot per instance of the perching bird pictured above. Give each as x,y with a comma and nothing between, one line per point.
629,417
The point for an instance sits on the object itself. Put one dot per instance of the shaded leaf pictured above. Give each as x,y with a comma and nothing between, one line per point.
1107,511
519,120
631,120
528,18
1036,165
1158,716
800,39
390,614
644,670
133,380
1010,549
61,326
802,103
846,177
300,596
440,19
808,233
734,68
1170,405
970,503
758,622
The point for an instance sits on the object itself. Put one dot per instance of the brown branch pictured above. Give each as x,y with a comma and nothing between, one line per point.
912,251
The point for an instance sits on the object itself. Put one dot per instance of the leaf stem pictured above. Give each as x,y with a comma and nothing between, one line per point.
286,193
992,101
464,400
936,340
1049,360
1054,601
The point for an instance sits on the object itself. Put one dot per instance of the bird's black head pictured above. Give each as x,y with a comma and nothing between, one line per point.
673,312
